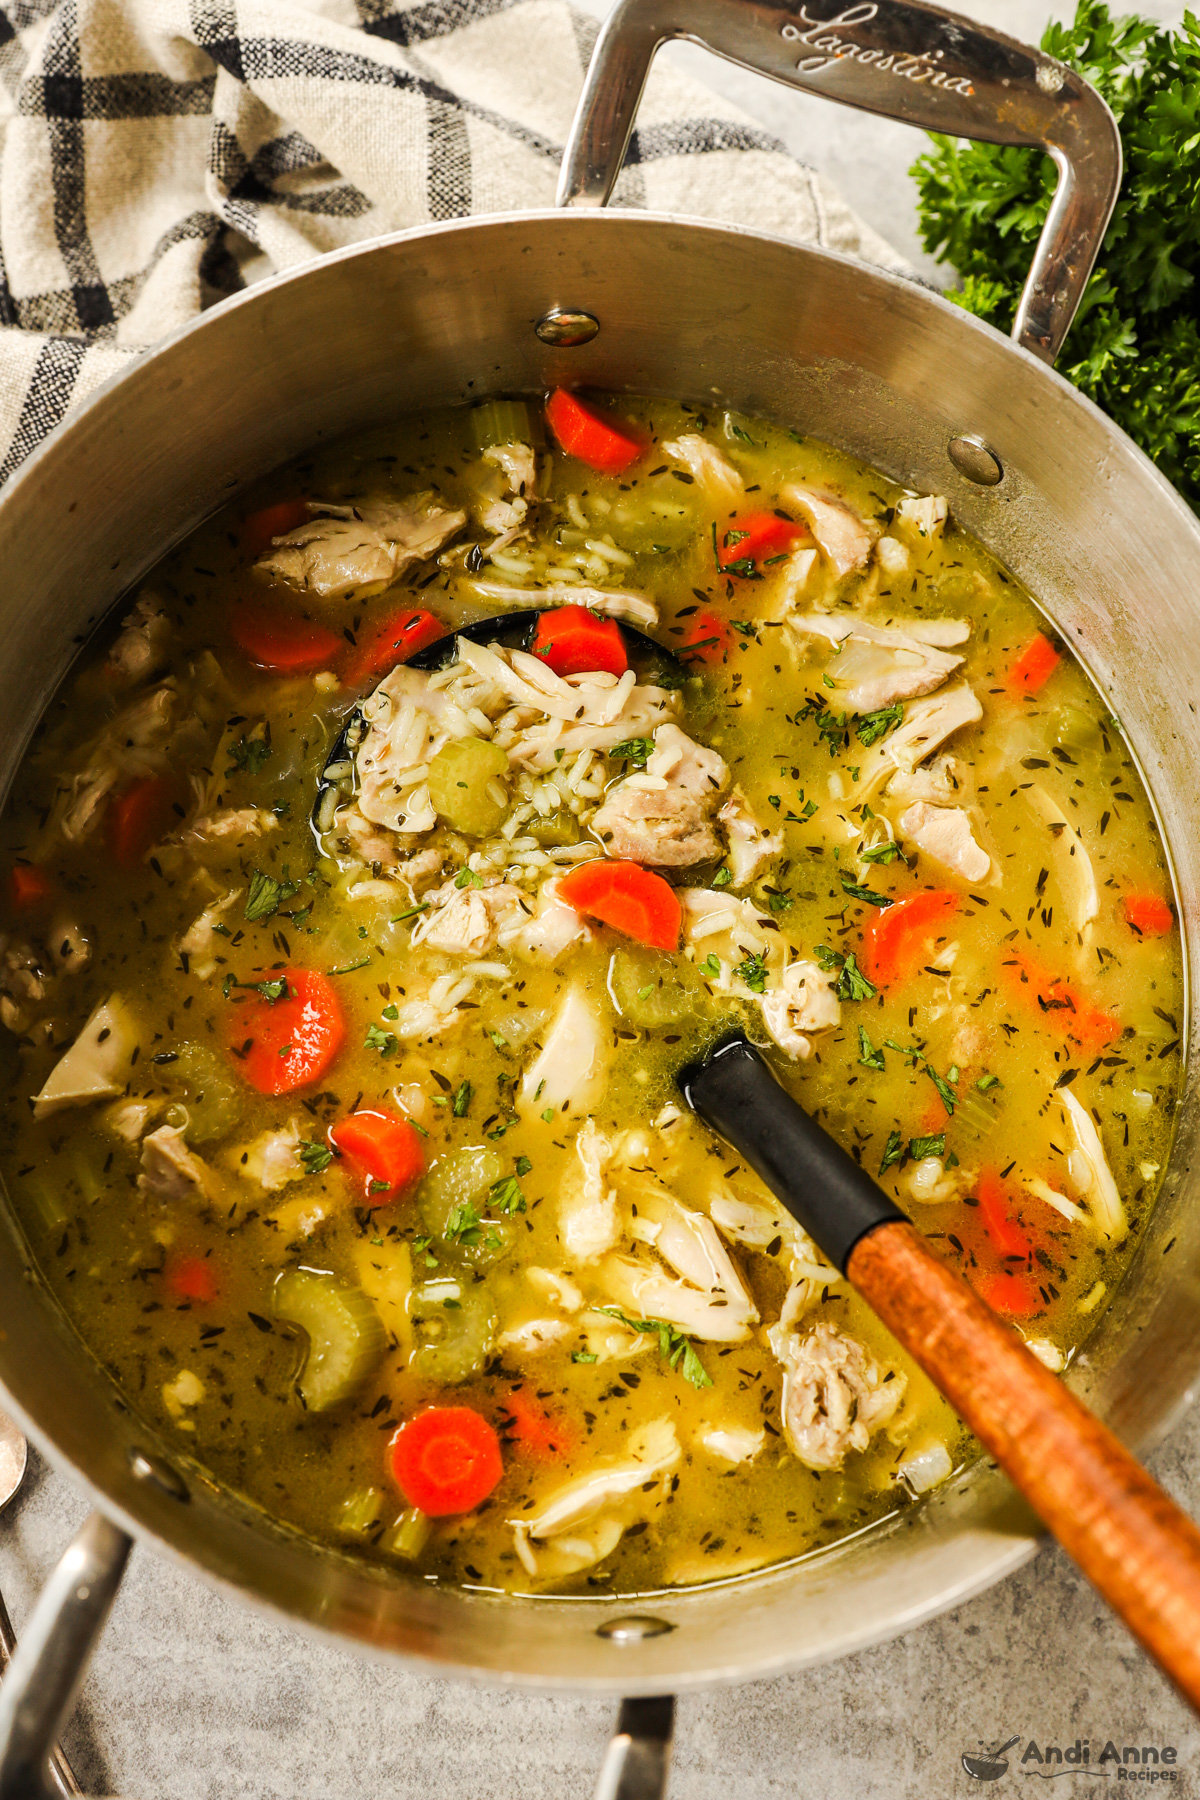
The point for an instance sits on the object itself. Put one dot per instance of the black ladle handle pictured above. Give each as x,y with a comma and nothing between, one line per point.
822,1187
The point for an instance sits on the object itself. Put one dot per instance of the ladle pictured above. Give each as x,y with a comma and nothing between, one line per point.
1129,1539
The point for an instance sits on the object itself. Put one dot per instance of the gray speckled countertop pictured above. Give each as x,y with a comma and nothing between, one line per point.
192,1697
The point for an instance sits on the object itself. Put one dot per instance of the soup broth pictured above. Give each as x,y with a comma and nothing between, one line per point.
344,998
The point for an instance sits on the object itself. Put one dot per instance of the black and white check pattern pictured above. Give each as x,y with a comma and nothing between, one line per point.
159,154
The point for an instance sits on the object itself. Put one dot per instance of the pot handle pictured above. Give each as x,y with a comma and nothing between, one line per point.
53,1654
906,61
638,1759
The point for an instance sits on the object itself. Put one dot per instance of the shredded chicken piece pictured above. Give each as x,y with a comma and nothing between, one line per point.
751,845
923,514
653,1450
845,539
171,1172
231,827
620,603
543,934
893,556
519,465
463,921
272,1159
199,941
358,549
732,1443
568,1074
926,725
944,834
714,472
944,782
130,1119
97,1065
589,1219
709,1300
834,1394
877,665
534,1335
141,648
664,817
1088,1170
1071,862
944,634
803,1003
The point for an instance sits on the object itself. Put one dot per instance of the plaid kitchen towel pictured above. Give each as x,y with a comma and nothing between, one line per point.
159,154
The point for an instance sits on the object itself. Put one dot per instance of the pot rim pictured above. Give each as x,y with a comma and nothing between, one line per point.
1011,1549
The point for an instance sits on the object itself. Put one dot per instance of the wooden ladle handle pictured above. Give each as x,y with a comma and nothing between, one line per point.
1130,1540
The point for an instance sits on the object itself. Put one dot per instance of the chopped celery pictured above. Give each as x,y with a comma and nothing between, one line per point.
207,1092
651,989
409,1535
501,422
455,1328
359,1512
453,1199
345,1336
554,829
468,785
1075,729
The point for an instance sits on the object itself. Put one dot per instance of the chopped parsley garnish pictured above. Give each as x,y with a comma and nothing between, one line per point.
467,878
722,878
377,1039
464,1226
711,967
421,1246
410,914
753,971
852,984
830,726
506,1195
390,1012
948,1096
827,958
779,902
874,725
271,991
633,750
349,968
988,1081
523,1166
920,1147
886,852
315,1157
867,895
462,1100
675,1349
584,1356
249,754
894,1152
548,1116
267,895
499,1042
868,1055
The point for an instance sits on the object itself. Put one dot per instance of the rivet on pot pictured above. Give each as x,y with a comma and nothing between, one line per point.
633,1630
972,458
565,329
159,1474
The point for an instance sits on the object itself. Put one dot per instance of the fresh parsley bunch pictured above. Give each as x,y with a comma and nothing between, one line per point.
1135,346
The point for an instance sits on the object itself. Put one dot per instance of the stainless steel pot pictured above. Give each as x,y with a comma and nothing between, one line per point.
869,362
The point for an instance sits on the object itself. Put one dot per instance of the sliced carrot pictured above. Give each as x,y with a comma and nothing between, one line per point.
633,900
1059,1004
895,942
288,1043
271,522
1013,1294
381,646
385,1148
282,641
573,641
708,639
994,1210
192,1278
1035,665
1149,914
28,887
542,1435
140,817
446,1460
745,544
589,436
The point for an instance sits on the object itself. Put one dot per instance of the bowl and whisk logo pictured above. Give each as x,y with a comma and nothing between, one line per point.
1146,1764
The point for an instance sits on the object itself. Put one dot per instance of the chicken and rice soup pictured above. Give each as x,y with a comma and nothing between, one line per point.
343,995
